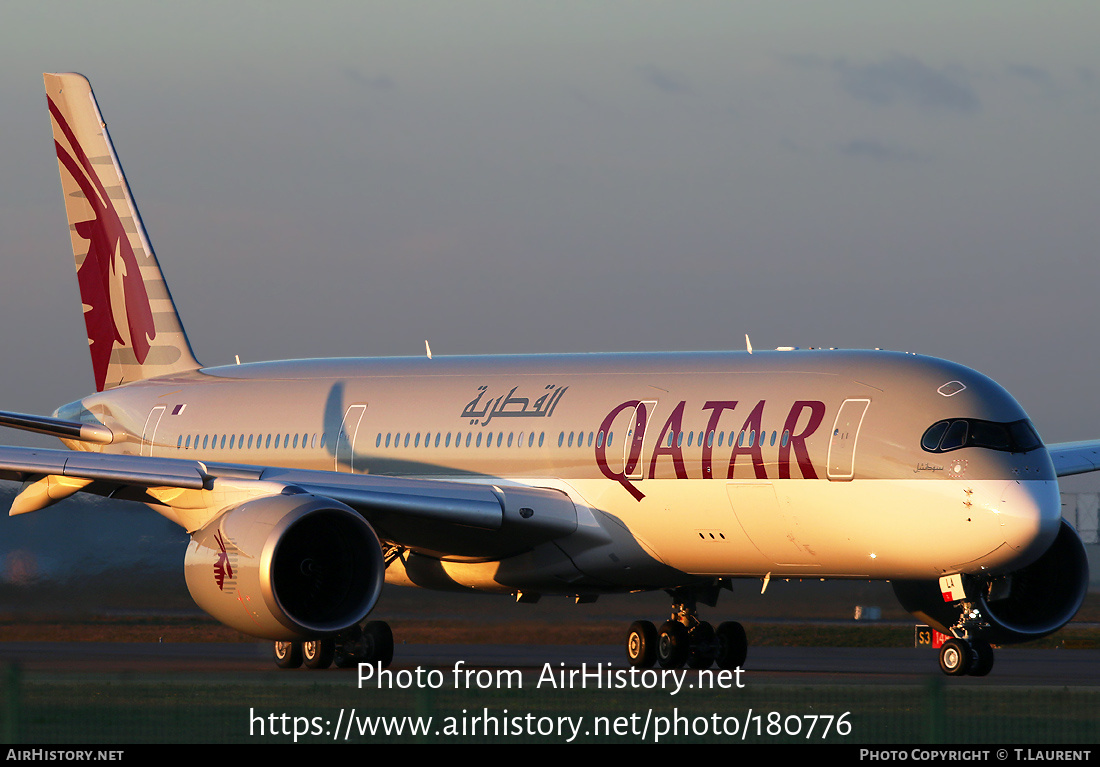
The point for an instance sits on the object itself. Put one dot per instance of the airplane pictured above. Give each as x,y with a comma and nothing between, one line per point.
306,485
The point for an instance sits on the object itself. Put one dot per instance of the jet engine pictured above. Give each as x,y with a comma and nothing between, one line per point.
286,567
1026,604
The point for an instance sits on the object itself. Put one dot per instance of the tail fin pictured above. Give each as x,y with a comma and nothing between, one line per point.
134,331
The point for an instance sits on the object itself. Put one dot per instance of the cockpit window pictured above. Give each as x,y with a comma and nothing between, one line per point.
1015,437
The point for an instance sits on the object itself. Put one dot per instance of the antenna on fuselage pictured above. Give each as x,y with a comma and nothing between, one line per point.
748,343
427,348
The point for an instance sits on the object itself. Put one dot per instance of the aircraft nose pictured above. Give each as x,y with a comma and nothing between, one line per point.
1031,512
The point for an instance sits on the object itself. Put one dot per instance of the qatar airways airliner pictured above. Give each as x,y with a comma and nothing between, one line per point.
305,485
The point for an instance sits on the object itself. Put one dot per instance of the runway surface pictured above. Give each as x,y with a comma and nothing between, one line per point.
772,665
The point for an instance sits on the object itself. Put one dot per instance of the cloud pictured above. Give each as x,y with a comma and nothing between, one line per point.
880,151
1032,73
905,79
663,80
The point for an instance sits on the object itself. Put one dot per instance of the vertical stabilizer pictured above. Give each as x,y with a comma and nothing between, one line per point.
134,331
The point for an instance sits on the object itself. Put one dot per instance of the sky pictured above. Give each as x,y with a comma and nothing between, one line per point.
502,177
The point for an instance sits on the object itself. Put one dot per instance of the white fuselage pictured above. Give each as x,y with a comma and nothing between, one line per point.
794,464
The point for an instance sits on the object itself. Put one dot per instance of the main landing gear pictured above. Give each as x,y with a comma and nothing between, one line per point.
372,643
685,640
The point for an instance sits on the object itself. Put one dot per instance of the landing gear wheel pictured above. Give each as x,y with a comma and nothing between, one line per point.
288,654
673,645
956,657
983,659
704,648
378,643
733,645
347,647
641,644
318,654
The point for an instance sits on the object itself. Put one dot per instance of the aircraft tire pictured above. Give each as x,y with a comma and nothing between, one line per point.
348,647
318,653
288,654
673,645
983,659
378,640
704,647
641,644
733,645
956,657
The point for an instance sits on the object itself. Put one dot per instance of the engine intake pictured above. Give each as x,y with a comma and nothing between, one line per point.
286,567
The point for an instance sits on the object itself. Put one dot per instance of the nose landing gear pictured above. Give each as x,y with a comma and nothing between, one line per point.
959,657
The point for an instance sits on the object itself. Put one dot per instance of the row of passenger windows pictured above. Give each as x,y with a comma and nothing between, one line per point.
744,439
257,441
410,439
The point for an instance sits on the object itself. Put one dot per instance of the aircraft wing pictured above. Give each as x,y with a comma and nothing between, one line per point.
1075,457
465,518
57,427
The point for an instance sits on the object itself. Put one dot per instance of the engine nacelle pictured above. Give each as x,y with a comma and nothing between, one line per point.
1027,604
286,567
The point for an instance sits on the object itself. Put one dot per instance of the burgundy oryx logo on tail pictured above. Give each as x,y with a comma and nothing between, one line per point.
111,287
